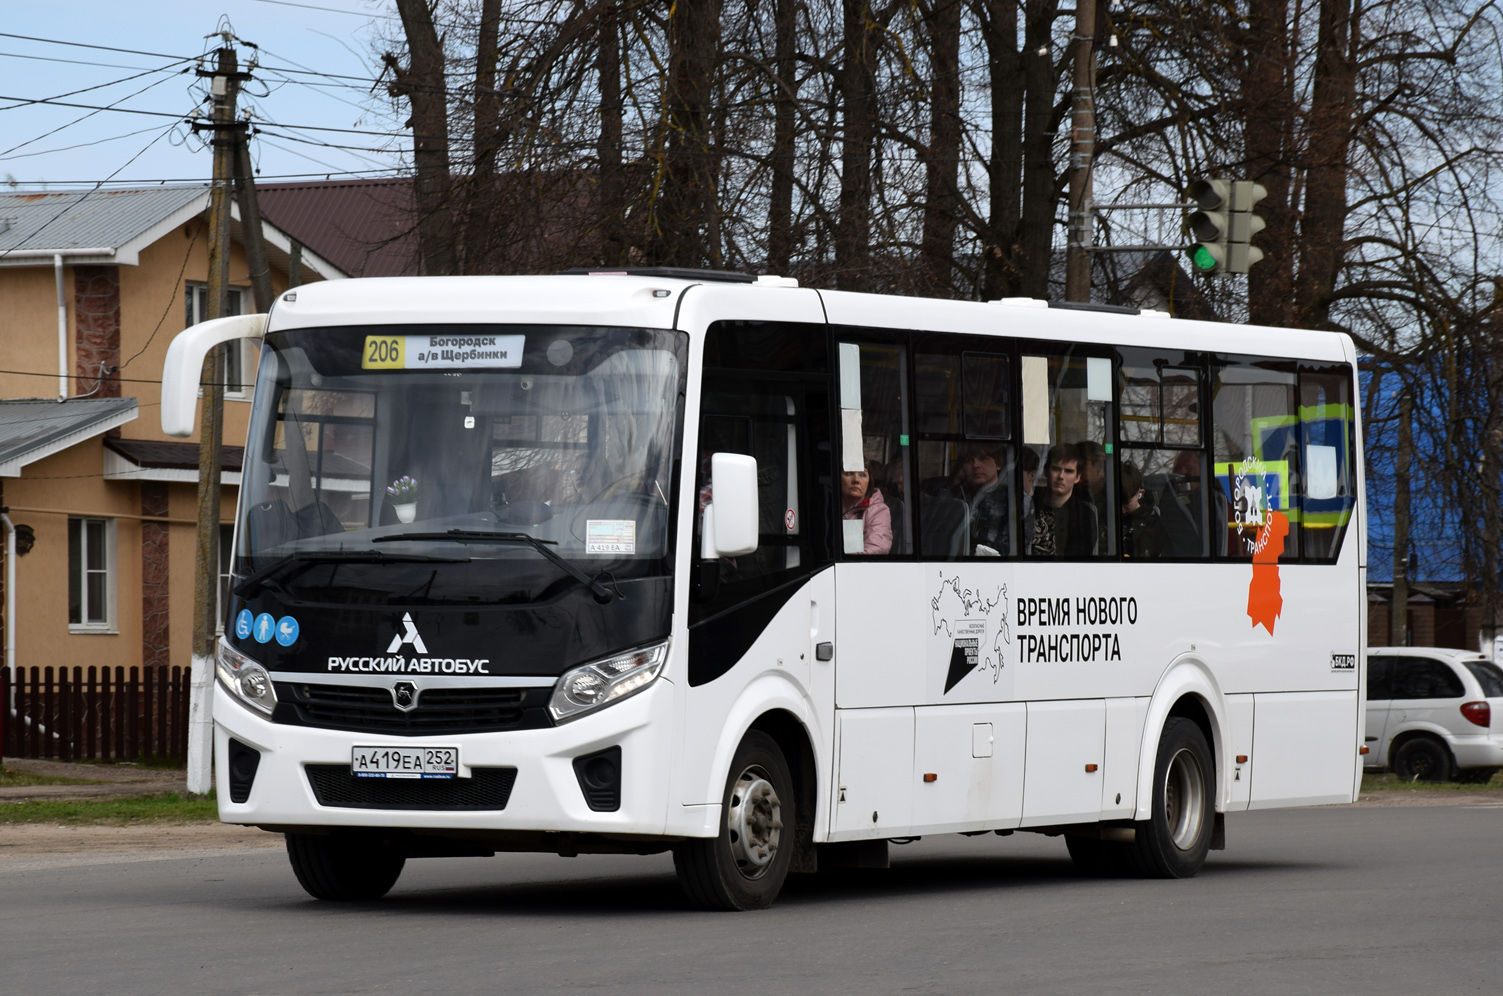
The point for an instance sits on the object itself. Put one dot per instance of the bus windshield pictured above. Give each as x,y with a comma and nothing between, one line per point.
475,453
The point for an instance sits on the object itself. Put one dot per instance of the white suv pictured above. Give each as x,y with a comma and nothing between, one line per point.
1434,714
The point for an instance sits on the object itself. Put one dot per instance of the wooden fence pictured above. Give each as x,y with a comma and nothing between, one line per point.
111,714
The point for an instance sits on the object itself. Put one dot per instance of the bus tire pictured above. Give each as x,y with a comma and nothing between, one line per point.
1422,759
341,867
1174,841
744,866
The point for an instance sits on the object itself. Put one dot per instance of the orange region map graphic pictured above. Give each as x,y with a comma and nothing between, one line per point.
1264,600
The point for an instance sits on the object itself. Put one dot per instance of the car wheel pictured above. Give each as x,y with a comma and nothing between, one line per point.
1173,843
744,866
1422,759
342,866
1476,776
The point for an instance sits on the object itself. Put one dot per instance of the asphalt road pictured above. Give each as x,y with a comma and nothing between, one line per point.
1334,900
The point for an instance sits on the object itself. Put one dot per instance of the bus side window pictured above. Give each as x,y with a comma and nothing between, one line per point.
873,452
1067,406
965,454
1255,454
1327,419
1161,441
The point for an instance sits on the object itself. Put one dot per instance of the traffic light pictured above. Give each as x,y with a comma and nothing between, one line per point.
1224,225
1245,225
1210,225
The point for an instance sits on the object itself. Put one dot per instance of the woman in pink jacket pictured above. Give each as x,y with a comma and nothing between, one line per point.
859,500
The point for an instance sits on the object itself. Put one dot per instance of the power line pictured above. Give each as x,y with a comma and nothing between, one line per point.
85,117
74,62
24,101
74,204
162,114
200,181
69,148
102,48
53,374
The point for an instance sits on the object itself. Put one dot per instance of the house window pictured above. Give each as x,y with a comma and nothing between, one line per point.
239,359
226,558
91,574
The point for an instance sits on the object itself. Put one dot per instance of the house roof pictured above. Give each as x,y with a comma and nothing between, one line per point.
32,429
113,226
368,228
105,220
175,455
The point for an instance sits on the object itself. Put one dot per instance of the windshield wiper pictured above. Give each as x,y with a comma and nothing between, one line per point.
310,558
601,592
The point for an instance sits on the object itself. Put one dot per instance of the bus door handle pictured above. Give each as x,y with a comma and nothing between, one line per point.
824,651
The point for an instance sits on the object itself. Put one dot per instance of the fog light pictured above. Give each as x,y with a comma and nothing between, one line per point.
599,777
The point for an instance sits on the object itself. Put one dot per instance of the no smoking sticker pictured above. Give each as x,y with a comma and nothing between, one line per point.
790,520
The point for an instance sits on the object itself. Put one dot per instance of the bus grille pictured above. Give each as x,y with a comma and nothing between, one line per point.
486,788
370,709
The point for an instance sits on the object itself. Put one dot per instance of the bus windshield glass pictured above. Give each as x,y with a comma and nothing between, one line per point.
465,456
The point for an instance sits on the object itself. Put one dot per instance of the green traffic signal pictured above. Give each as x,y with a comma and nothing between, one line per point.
1224,225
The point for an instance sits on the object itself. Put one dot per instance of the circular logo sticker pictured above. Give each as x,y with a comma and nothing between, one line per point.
790,520
287,631
264,627
243,623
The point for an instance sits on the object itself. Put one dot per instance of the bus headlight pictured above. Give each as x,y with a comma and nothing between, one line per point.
246,680
603,682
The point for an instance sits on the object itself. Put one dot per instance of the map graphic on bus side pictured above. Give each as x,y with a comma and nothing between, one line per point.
977,627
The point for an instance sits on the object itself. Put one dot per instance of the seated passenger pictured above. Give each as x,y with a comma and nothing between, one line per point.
1143,535
859,500
983,490
1064,520
1093,482
1028,466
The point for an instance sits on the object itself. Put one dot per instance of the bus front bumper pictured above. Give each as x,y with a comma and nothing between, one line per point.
546,794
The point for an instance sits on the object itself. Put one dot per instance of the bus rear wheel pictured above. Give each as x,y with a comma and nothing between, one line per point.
1174,841
744,866
343,867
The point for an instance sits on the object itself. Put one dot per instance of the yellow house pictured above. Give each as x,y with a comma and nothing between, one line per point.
99,505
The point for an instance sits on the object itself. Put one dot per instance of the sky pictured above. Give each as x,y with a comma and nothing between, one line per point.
317,71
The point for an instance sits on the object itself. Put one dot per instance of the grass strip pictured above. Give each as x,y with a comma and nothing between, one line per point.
1389,782
15,777
167,807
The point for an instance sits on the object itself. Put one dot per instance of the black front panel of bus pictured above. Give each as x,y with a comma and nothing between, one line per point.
543,638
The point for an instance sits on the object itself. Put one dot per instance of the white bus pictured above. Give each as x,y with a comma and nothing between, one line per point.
766,576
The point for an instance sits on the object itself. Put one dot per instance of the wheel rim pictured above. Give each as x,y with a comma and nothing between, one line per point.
1184,798
1421,762
754,822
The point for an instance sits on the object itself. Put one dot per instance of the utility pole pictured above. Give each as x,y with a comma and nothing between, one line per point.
1082,155
250,222
224,84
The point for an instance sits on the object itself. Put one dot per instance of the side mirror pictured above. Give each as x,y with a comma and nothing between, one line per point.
183,370
730,526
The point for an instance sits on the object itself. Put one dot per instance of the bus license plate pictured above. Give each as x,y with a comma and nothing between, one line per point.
404,762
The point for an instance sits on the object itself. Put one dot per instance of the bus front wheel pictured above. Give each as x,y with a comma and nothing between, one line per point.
1173,842
744,866
343,867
